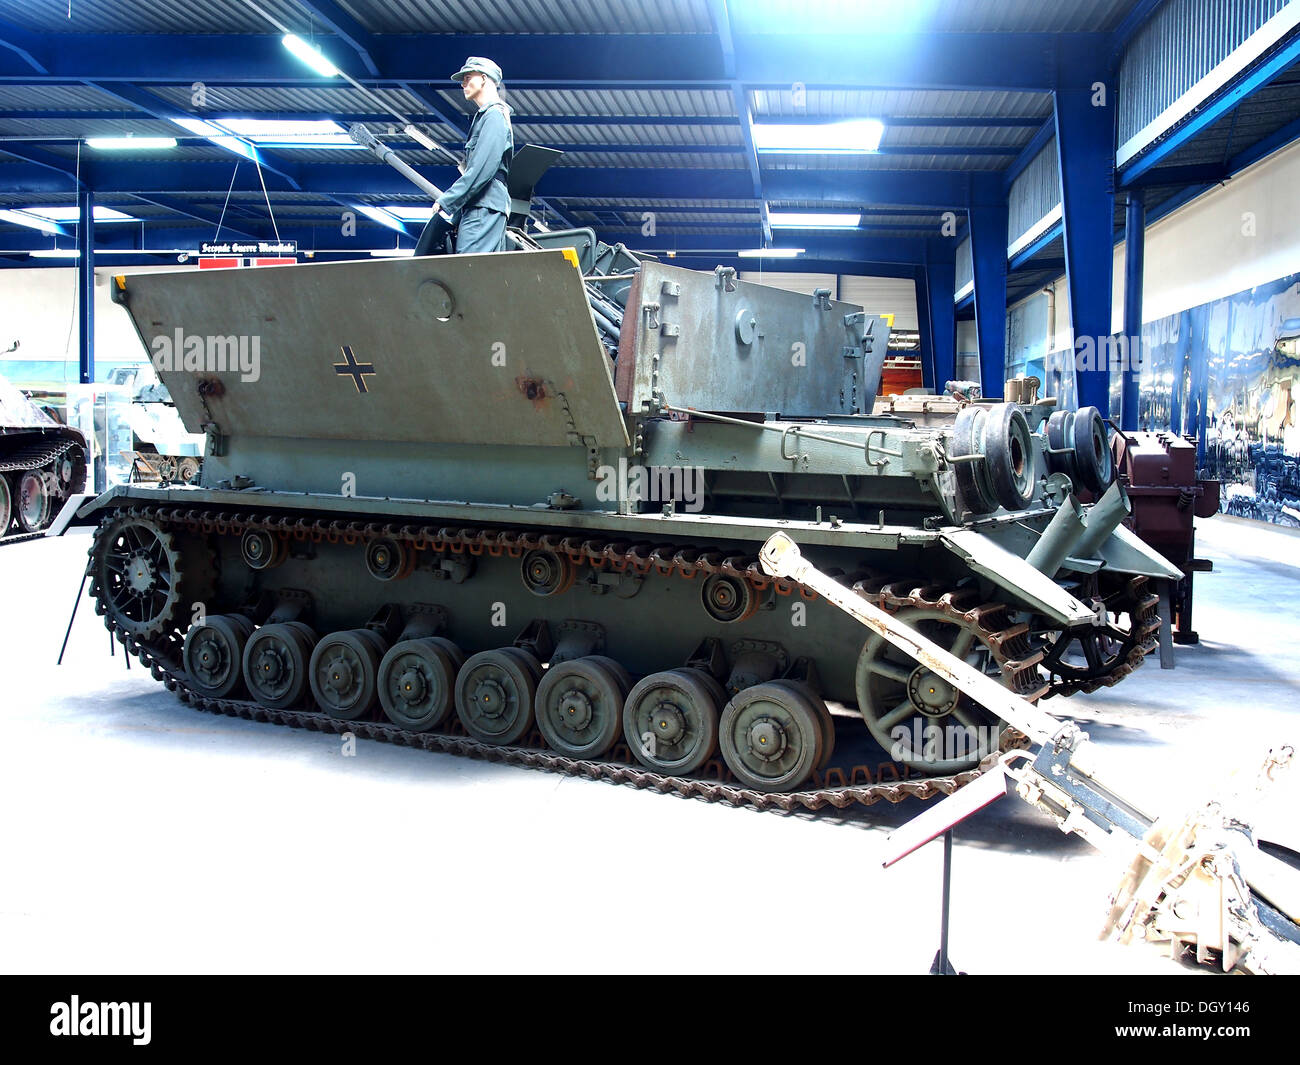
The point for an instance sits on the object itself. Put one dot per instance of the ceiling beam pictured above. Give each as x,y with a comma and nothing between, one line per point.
1002,61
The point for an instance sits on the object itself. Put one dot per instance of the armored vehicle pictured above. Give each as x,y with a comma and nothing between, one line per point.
510,505
42,463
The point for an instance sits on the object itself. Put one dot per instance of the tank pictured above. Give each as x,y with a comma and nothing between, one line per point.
42,463
510,506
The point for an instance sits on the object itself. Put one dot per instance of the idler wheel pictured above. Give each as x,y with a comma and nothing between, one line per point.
344,672
771,737
1092,457
388,560
580,708
670,722
972,479
728,599
1009,456
214,654
276,661
262,550
547,573
33,510
494,696
903,703
417,682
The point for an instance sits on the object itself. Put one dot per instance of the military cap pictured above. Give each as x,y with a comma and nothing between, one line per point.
476,64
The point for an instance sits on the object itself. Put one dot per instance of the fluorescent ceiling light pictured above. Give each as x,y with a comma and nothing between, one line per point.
813,220
217,136
310,55
769,253
279,133
382,217
130,143
54,253
408,212
391,253
854,135
420,136
31,221
73,214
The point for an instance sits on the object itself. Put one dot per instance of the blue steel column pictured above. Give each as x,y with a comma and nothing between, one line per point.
988,246
86,285
1135,222
923,327
1085,140
940,281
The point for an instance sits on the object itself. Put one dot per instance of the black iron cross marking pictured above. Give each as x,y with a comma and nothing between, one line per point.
358,371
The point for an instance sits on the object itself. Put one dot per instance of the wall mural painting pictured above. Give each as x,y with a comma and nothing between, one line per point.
1228,374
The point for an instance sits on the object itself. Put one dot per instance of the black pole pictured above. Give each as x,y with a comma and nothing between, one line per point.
944,966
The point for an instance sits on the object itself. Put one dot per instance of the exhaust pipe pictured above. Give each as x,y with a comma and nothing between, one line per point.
1059,538
1103,519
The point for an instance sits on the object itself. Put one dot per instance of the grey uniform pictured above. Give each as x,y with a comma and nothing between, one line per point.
478,199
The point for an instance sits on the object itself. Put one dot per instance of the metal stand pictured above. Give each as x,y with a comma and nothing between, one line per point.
75,603
942,964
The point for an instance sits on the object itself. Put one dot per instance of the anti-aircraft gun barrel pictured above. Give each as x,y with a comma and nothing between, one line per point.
366,139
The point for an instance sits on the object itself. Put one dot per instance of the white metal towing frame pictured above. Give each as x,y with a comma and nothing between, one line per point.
1197,881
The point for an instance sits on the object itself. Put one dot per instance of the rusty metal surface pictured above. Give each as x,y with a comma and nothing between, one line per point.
470,349
837,787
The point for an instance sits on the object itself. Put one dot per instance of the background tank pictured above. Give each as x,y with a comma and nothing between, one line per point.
41,463
485,502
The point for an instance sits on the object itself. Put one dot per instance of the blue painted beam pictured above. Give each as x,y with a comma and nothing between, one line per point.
86,286
836,247
1007,61
1264,147
920,278
1027,253
708,260
355,35
1197,174
180,207
988,243
1134,257
924,189
30,48
1260,74
1086,141
39,157
940,315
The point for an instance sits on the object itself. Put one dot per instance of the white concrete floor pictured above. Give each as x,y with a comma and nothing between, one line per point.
139,835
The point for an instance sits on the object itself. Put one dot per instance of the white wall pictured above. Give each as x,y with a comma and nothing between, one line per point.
38,308
1207,250
883,295
875,295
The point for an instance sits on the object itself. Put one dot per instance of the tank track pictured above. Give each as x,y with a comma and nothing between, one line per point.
20,538
35,456
837,789
1144,613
